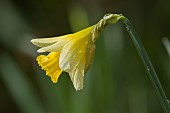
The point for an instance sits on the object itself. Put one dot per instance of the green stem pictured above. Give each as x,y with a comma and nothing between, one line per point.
144,56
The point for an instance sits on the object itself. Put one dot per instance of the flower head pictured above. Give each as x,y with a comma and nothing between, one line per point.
72,53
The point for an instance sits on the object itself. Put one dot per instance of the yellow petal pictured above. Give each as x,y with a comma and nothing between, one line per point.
57,46
77,75
73,51
72,54
60,42
89,55
56,43
84,31
72,60
50,64
43,42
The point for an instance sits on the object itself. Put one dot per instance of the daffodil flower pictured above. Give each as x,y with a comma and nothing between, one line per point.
72,53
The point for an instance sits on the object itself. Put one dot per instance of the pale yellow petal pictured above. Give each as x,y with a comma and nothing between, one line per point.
42,42
56,47
77,75
89,55
72,60
50,64
84,31
72,53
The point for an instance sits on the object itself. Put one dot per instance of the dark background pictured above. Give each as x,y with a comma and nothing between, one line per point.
117,82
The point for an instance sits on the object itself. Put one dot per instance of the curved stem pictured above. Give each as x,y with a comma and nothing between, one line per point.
151,71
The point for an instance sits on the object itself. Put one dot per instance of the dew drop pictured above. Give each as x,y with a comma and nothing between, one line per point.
86,42
128,29
80,51
46,59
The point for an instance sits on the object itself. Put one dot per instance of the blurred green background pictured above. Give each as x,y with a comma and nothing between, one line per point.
117,81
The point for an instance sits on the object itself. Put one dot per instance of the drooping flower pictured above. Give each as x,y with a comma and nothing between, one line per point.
72,53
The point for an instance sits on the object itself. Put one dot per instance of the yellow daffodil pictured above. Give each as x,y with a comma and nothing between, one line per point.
72,53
